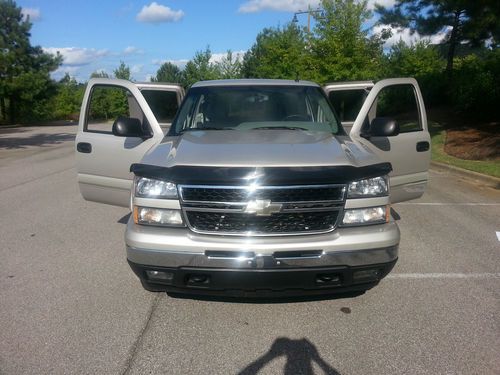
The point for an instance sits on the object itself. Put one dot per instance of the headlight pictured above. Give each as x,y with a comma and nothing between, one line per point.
157,216
149,188
370,215
371,187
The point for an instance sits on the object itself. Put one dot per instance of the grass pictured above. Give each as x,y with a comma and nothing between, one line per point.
438,134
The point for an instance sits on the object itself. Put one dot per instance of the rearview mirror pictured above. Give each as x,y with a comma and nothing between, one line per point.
383,127
129,127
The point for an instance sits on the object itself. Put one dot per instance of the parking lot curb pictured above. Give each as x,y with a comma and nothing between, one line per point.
490,181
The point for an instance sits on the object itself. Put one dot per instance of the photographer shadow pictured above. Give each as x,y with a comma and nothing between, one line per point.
300,356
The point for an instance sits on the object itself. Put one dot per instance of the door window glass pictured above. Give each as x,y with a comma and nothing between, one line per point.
164,104
399,102
347,103
106,104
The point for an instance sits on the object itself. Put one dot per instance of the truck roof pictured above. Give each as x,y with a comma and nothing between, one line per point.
253,82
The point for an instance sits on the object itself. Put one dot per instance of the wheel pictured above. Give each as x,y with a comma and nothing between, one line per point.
152,287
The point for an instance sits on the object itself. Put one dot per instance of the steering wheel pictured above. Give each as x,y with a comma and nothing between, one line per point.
296,118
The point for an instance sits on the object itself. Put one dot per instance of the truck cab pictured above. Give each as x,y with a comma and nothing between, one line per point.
255,187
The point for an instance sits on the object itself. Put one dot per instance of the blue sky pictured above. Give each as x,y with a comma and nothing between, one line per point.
96,35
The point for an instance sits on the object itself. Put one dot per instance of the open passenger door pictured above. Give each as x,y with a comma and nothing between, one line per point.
104,151
347,99
397,104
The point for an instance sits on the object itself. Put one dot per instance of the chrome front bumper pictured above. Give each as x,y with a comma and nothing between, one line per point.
179,247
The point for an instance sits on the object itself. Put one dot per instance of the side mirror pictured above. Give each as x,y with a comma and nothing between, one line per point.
383,127
129,127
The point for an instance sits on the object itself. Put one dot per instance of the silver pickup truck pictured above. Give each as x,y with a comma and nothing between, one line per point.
255,187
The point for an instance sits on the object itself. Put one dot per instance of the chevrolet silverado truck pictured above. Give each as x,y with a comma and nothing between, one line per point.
254,187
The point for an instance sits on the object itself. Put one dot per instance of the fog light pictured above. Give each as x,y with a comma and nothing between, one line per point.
366,275
166,277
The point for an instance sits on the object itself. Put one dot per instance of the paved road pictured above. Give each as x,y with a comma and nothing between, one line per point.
70,304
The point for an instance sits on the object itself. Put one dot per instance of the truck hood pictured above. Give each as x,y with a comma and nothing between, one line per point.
262,148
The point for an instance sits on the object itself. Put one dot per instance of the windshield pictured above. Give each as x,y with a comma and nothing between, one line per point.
254,108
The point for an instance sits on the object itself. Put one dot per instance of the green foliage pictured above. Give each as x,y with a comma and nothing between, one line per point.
340,48
66,104
278,53
122,72
467,22
168,72
107,103
99,74
475,89
421,61
24,69
229,67
200,68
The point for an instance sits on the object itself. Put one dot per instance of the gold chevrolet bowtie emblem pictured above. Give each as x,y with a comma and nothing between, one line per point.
262,207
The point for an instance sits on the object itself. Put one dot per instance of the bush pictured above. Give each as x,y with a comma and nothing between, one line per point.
475,86
421,61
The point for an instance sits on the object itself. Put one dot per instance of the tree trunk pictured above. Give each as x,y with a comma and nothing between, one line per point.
12,111
2,109
453,43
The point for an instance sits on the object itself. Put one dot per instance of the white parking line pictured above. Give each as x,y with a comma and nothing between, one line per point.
498,236
443,276
446,204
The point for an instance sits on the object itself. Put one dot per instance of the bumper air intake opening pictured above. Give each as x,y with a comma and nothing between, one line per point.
197,280
328,279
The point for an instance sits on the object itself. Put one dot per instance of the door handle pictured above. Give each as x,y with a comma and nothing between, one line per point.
84,147
423,146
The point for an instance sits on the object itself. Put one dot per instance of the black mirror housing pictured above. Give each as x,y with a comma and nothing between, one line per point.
129,127
383,127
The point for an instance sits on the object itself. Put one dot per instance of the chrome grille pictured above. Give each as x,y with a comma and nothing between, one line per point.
263,210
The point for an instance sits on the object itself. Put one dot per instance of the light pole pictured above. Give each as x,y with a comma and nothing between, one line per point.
309,12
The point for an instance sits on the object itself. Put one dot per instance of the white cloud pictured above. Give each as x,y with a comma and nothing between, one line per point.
62,70
156,13
217,57
180,62
136,68
406,36
385,3
33,14
75,56
253,6
131,50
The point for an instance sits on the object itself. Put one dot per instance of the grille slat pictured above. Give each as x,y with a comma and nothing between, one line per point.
278,194
277,223
301,209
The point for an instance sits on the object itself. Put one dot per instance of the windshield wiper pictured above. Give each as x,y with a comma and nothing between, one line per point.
204,128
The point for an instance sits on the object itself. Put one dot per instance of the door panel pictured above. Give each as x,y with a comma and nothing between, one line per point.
409,151
103,160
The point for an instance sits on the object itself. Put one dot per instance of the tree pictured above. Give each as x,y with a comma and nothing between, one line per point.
230,66
278,53
342,49
200,68
99,74
122,72
420,60
69,97
168,72
24,69
465,22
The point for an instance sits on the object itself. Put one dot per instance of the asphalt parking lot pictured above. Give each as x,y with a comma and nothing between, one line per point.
70,304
